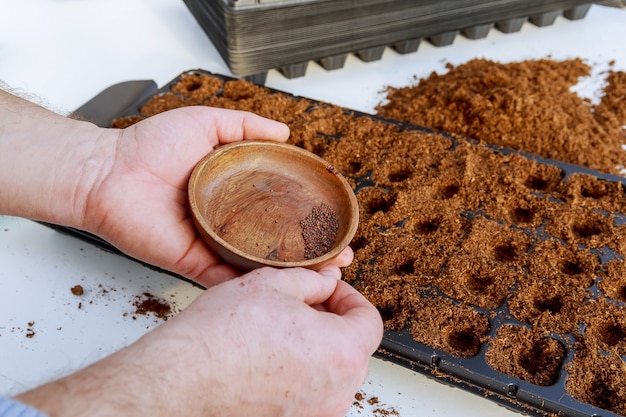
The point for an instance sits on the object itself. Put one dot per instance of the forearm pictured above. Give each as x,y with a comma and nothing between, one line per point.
47,162
164,373
116,386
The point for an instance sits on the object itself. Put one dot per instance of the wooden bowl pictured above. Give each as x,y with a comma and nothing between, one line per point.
261,203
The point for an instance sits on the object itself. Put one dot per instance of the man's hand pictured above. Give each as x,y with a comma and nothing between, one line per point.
138,201
273,343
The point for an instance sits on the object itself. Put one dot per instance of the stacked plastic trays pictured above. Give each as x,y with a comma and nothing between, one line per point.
255,36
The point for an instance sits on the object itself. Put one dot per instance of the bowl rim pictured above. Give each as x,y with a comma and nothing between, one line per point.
220,150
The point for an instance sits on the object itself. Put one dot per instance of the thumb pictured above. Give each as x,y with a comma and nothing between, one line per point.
304,284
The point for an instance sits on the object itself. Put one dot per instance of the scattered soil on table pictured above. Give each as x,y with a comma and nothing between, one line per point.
372,406
144,304
525,105
30,330
149,304
468,250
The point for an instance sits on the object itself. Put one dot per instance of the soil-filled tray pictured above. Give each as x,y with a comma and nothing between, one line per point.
495,271
255,36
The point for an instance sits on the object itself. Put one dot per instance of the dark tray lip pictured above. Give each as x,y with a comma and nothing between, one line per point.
398,347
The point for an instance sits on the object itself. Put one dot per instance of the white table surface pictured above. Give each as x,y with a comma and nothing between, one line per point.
63,52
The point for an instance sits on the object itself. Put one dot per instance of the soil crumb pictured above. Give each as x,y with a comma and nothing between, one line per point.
147,303
30,330
77,290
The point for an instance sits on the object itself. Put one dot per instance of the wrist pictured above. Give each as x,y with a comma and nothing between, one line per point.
47,162
81,165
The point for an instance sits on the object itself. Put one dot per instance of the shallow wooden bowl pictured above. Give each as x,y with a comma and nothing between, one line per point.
261,203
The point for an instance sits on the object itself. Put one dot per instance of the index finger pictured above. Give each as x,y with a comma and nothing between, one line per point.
235,125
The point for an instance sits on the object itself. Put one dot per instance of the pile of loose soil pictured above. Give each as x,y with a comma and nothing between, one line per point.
526,105
453,234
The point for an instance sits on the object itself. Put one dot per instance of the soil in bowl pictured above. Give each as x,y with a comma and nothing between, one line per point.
261,203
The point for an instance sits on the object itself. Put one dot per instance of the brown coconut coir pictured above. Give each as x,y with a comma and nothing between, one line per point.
455,238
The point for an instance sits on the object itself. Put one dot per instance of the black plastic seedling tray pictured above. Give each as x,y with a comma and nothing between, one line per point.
470,373
256,36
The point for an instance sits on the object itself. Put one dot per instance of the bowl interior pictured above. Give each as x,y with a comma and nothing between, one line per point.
265,203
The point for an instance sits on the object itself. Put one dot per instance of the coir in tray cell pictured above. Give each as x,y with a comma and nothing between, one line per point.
494,271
